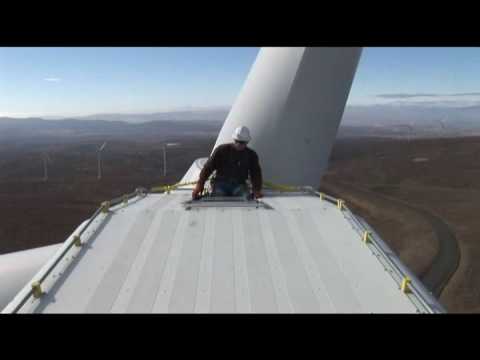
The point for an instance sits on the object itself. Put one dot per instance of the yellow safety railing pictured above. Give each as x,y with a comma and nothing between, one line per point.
282,188
36,289
168,188
279,187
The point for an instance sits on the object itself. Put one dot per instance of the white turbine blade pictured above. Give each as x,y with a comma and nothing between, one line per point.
292,101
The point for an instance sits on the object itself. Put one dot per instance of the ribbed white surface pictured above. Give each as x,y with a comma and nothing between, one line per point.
155,256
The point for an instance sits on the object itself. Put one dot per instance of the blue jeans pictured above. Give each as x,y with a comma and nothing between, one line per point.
225,188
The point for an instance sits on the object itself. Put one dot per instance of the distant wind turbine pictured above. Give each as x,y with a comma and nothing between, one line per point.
442,124
99,156
165,156
46,159
410,130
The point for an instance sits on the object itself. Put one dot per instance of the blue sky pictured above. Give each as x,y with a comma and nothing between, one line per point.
449,75
82,81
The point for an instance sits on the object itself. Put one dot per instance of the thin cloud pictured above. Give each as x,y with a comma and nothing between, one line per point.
435,103
416,95
53,79
466,94
405,96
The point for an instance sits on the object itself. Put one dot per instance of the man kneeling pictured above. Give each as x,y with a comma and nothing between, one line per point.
234,162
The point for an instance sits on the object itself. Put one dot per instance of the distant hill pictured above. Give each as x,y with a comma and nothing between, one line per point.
36,128
406,120
219,114
358,121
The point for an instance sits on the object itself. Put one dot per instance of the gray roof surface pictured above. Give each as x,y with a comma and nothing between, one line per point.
296,254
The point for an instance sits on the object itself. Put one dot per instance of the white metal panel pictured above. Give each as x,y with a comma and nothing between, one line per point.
223,280
168,278
18,267
336,282
284,302
303,256
69,284
79,283
145,292
260,274
134,276
300,291
107,290
186,281
242,291
64,264
375,290
314,277
334,279
202,302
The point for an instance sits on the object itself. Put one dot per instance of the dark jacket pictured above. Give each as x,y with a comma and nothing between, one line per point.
233,165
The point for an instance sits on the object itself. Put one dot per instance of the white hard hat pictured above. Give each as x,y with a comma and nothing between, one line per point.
241,133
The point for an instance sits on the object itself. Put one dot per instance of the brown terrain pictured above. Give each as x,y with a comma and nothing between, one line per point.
420,196
36,212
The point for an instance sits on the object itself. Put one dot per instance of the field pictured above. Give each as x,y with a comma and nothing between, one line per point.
35,212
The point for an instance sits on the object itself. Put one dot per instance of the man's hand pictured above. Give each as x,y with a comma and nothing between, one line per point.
197,190
257,194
